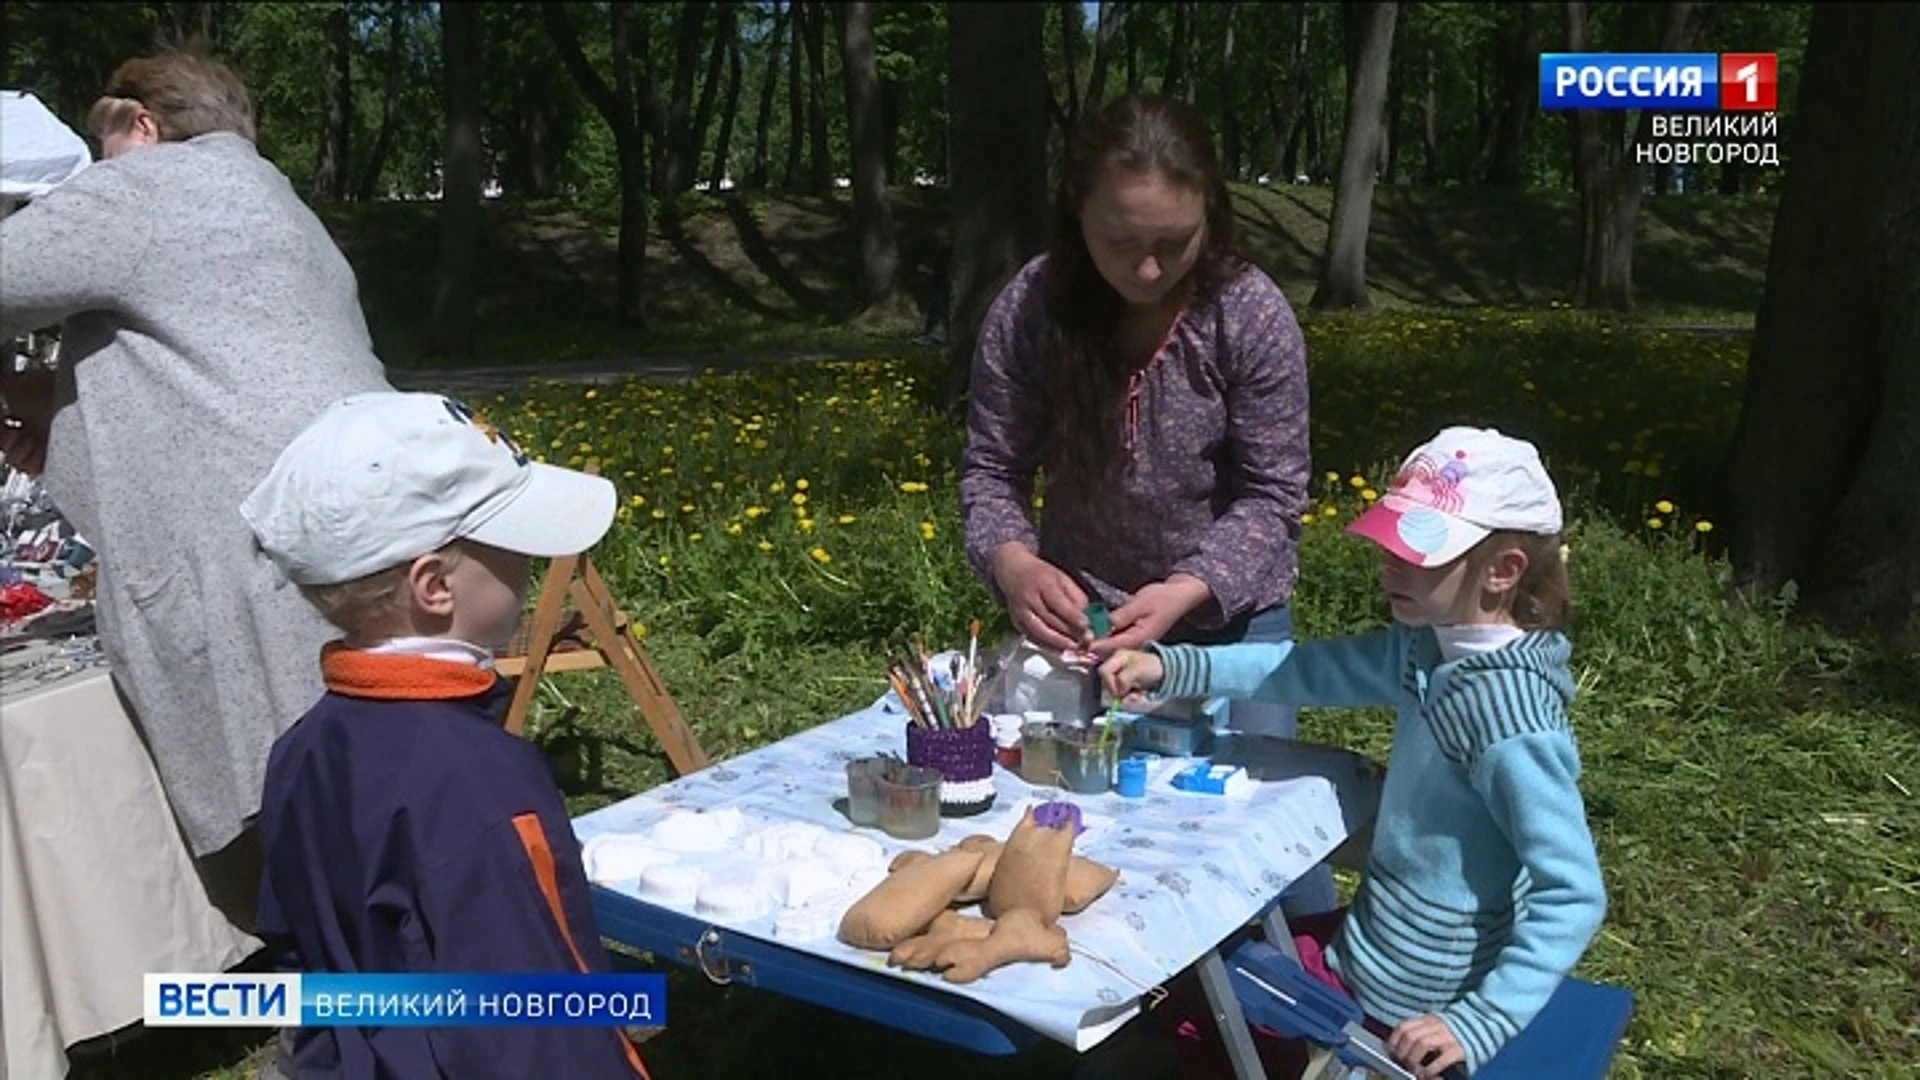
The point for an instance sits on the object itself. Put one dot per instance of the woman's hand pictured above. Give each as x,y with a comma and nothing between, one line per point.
1152,612
1425,1045
1044,603
22,447
1129,674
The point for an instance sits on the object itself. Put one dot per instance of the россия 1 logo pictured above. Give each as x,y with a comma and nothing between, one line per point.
1727,101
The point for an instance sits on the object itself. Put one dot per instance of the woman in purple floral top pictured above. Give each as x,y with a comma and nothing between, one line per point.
1159,380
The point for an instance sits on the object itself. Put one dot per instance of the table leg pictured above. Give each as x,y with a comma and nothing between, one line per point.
1229,1019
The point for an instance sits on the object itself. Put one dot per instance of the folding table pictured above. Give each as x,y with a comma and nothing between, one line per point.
1195,870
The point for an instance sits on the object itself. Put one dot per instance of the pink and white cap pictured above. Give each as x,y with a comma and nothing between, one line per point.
1451,493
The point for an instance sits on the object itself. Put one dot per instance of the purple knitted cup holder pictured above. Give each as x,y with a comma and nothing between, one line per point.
964,757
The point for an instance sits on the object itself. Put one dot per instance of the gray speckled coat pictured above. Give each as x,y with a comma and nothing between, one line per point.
208,317
1220,460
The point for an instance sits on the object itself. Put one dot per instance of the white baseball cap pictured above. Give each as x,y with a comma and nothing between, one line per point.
378,480
1452,492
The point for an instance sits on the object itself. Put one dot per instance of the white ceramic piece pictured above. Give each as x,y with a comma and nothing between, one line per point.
671,885
616,857
693,831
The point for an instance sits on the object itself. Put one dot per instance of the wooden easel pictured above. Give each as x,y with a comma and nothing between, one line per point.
602,628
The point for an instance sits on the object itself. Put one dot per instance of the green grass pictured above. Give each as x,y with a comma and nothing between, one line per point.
1749,779
758,273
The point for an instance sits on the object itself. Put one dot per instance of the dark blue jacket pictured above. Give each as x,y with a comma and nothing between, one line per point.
406,831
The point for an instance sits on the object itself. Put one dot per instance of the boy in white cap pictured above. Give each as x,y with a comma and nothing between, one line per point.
405,830
1482,888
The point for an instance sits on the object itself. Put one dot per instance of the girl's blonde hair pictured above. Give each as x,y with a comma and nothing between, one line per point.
188,94
1543,597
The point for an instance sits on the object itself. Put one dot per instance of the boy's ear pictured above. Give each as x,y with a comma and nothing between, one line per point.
427,588
1505,570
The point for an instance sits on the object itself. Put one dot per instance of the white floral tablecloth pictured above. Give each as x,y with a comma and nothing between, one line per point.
1193,868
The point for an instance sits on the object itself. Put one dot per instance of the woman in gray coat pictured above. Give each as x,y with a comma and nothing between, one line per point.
206,316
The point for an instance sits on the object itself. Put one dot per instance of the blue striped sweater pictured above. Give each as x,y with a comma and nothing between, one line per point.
1482,889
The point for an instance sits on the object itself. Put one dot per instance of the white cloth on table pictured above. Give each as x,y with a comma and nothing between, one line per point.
1193,868
96,886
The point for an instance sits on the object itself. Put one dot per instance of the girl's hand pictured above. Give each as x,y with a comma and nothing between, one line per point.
1129,674
1046,606
1151,612
1425,1045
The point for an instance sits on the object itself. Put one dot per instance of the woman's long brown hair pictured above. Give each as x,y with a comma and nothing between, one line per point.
1086,376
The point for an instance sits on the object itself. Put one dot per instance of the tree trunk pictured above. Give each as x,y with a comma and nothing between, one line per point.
376,163
617,106
1369,47
1517,64
1133,56
681,139
1112,15
1819,486
1290,111
763,125
872,210
1070,46
796,94
730,108
820,176
890,129
997,161
709,86
1173,83
336,111
1390,131
1229,116
1430,126
451,316
1609,179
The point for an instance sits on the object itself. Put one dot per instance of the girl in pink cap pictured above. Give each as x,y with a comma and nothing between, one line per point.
1482,888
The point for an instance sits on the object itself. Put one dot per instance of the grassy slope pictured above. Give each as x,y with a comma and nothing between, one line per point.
752,274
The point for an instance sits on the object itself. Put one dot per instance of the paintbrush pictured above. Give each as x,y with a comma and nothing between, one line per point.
928,700
906,699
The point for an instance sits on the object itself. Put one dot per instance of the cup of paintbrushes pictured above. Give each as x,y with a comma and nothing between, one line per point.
964,756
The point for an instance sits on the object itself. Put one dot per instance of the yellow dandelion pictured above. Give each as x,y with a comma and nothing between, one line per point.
1656,523
1663,506
734,528
777,486
800,484
926,530
665,559
1328,511
820,555
1333,477
686,508
659,514
806,524
912,487
667,450
755,511
1306,519
1703,526
765,546
638,629
694,538
1369,494
799,498
844,519
638,500
1357,481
